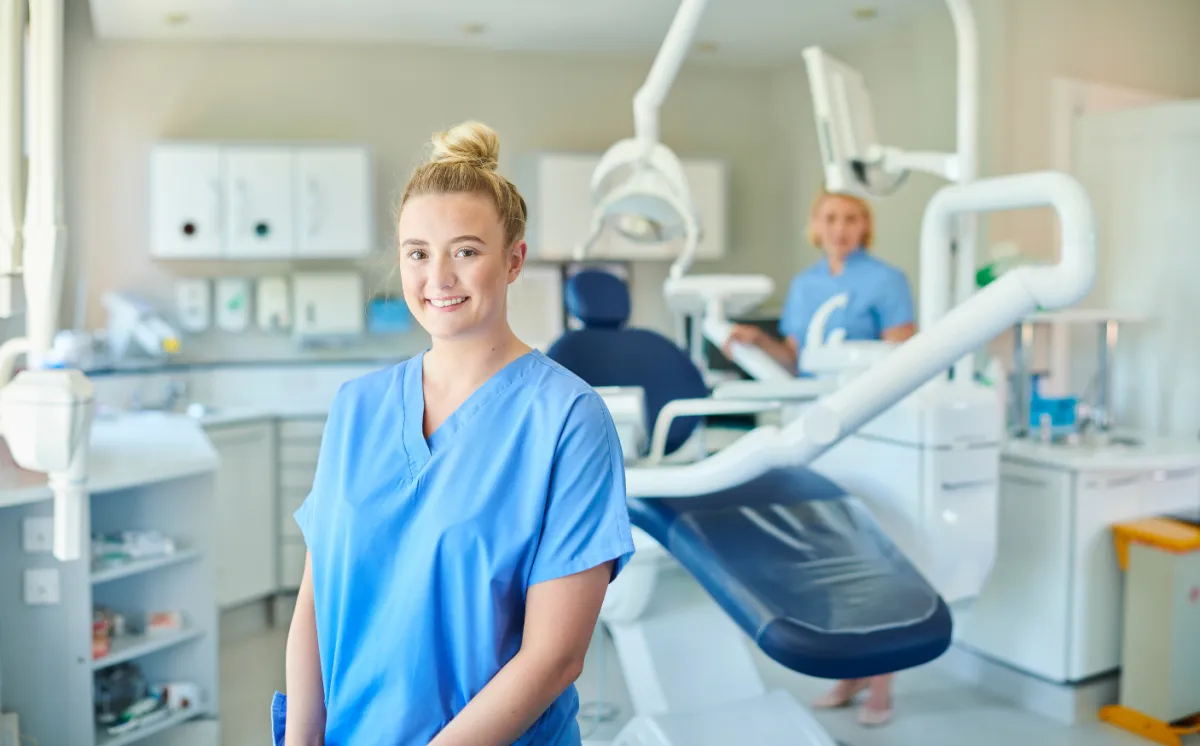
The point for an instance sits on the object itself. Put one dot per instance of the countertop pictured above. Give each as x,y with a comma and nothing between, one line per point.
1152,453
127,450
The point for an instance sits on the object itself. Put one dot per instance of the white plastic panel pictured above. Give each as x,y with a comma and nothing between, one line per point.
185,201
258,191
333,201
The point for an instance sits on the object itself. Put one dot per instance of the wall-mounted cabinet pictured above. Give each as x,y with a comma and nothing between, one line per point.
235,201
557,189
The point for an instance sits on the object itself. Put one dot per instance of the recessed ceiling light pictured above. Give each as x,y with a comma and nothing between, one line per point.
176,19
473,29
706,47
865,12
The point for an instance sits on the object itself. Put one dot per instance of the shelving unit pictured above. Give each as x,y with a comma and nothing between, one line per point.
149,472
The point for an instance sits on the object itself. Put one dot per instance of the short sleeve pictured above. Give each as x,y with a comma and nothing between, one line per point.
797,312
305,515
895,303
586,520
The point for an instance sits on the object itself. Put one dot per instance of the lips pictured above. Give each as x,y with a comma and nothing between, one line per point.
445,303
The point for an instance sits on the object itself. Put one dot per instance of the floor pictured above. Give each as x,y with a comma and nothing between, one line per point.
931,709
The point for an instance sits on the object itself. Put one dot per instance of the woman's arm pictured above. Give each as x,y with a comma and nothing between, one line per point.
786,352
305,688
560,616
899,333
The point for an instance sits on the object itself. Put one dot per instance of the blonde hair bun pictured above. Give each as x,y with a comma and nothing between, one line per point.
469,143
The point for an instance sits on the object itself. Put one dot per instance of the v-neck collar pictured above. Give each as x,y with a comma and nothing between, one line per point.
420,449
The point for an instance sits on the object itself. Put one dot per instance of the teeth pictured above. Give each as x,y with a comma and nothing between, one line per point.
447,303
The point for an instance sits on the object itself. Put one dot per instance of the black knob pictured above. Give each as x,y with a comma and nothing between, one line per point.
261,230
189,228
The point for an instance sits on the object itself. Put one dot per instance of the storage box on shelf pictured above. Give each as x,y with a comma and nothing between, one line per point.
51,650
212,200
557,187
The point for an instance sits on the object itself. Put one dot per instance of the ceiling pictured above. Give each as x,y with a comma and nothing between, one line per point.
734,32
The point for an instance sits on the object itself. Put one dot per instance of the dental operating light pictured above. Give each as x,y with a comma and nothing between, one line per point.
639,187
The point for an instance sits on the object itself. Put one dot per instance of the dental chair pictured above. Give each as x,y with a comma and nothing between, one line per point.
786,561
641,374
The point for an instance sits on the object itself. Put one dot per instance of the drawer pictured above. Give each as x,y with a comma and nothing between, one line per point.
291,564
289,503
301,429
297,477
299,452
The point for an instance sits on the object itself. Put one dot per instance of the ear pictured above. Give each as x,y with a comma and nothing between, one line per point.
516,260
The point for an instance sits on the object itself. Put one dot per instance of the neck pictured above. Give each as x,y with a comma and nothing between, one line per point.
451,364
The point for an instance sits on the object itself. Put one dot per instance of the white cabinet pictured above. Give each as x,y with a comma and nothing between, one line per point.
1052,605
333,202
185,203
260,202
557,189
299,447
246,495
258,186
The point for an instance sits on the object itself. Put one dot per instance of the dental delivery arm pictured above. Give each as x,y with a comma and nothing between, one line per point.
945,339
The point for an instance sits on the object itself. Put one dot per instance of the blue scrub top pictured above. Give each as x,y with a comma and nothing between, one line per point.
423,550
878,298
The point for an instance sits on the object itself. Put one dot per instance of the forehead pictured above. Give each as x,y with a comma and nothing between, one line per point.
440,216
835,204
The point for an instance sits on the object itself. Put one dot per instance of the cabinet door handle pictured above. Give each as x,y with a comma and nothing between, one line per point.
313,206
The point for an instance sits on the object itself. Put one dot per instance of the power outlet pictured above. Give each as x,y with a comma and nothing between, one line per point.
42,587
38,535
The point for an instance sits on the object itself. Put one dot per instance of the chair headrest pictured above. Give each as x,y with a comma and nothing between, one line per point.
599,299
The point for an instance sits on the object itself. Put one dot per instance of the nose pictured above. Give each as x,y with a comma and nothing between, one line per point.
443,275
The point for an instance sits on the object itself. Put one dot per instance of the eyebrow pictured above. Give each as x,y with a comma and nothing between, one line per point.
456,239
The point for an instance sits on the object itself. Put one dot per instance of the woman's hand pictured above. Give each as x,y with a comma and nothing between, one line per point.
746,334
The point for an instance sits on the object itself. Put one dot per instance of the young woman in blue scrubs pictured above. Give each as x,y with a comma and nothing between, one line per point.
879,306
879,300
468,510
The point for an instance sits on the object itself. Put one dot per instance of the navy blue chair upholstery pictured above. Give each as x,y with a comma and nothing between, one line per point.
606,352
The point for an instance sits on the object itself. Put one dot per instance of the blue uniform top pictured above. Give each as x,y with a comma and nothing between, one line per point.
878,298
422,551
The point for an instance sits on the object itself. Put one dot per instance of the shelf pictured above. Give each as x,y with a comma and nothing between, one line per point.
137,646
145,731
137,567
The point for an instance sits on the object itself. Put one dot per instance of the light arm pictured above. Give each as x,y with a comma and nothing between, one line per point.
649,98
940,343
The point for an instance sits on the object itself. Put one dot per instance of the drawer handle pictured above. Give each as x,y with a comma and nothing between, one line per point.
967,484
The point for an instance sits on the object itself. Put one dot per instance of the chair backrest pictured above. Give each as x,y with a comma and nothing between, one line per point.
608,353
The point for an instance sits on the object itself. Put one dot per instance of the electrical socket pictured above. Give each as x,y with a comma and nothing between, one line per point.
42,586
38,535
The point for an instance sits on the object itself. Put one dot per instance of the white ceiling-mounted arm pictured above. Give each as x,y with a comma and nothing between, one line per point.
936,347
649,98
46,415
12,203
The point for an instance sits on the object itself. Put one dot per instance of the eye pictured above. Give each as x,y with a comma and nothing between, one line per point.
416,254
465,252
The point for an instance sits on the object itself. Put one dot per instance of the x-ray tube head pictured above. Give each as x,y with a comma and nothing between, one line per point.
851,154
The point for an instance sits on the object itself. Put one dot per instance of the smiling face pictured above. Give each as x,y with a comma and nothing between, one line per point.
454,265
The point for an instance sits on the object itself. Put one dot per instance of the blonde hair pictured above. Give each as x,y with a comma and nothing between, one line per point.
868,216
464,159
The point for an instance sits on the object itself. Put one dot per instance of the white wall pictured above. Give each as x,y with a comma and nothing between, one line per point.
123,96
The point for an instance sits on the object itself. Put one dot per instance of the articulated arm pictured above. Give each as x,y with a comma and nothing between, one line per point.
941,342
